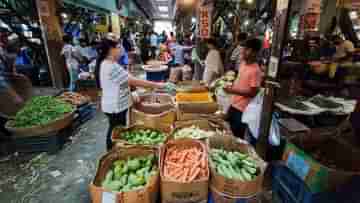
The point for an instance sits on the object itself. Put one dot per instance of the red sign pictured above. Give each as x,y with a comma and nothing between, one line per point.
204,22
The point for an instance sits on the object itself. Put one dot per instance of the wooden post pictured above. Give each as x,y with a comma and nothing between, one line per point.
281,25
52,36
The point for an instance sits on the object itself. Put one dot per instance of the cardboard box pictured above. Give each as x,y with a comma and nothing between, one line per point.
218,197
211,124
316,175
160,115
231,187
191,86
176,192
119,142
148,194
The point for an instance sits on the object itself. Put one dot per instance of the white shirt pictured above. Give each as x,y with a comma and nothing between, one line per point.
68,52
214,67
114,81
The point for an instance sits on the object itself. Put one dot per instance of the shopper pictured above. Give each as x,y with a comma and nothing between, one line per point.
153,44
235,56
245,87
214,67
178,50
72,59
114,81
144,47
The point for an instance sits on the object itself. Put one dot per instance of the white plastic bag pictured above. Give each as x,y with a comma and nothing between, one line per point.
252,114
274,137
252,117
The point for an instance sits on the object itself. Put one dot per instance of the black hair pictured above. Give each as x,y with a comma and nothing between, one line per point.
67,39
254,44
103,50
242,36
212,41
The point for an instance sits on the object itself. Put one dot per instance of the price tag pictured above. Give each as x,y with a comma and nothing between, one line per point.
108,197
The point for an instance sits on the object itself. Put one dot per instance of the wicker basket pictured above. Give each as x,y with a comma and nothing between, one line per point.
44,130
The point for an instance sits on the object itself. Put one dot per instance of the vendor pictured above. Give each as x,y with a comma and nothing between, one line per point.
245,87
344,50
114,81
214,67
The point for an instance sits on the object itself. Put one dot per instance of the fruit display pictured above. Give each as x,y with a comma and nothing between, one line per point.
130,174
185,164
40,110
145,137
193,132
234,165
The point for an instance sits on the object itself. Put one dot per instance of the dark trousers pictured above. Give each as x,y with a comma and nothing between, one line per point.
115,120
237,127
153,52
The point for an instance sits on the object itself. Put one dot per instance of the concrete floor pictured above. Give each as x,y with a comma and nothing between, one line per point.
64,177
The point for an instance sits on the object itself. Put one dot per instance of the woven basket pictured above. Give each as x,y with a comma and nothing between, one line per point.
44,130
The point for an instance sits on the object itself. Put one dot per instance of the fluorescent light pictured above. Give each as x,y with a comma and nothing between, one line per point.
249,1
193,20
163,8
164,15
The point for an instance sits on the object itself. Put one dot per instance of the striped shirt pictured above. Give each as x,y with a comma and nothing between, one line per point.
114,81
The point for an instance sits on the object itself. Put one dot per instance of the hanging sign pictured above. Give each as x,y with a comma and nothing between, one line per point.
204,22
44,9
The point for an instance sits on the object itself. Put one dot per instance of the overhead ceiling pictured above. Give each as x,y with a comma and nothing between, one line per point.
164,8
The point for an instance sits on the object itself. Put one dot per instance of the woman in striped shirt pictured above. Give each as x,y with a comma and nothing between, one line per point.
115,82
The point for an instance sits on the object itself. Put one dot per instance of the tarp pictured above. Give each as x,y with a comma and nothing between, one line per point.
104,6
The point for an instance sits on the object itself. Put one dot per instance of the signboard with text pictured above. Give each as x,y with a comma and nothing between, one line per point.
204,22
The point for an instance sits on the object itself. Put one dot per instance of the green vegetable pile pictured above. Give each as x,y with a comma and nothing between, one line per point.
41,111
219,84
131,174
145,137
193,132
234,165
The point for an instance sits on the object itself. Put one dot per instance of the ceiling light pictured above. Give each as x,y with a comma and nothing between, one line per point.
163,8
249,1
193,20
164,15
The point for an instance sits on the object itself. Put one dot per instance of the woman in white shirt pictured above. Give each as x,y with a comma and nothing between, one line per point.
214,67
115,83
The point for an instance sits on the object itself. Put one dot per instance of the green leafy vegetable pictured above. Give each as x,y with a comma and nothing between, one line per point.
41,111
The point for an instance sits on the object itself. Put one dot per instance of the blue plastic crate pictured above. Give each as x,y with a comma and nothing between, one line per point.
156,76
289,188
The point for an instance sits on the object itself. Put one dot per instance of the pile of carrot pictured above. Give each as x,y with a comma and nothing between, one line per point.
185,164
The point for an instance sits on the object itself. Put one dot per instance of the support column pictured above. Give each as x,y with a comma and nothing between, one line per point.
281,28
52,37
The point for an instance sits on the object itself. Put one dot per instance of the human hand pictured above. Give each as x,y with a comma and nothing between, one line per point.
228,88
135,97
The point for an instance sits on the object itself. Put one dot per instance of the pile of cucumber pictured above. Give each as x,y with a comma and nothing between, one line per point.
234,165
146,137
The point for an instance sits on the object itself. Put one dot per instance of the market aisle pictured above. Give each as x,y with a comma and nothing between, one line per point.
59,178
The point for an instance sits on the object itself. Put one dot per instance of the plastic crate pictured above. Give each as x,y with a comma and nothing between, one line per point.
156,76
287,187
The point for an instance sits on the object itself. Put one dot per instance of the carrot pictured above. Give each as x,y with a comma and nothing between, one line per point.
194,175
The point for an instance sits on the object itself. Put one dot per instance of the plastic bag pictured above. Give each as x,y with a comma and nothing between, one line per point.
252,117
274,137
252,114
